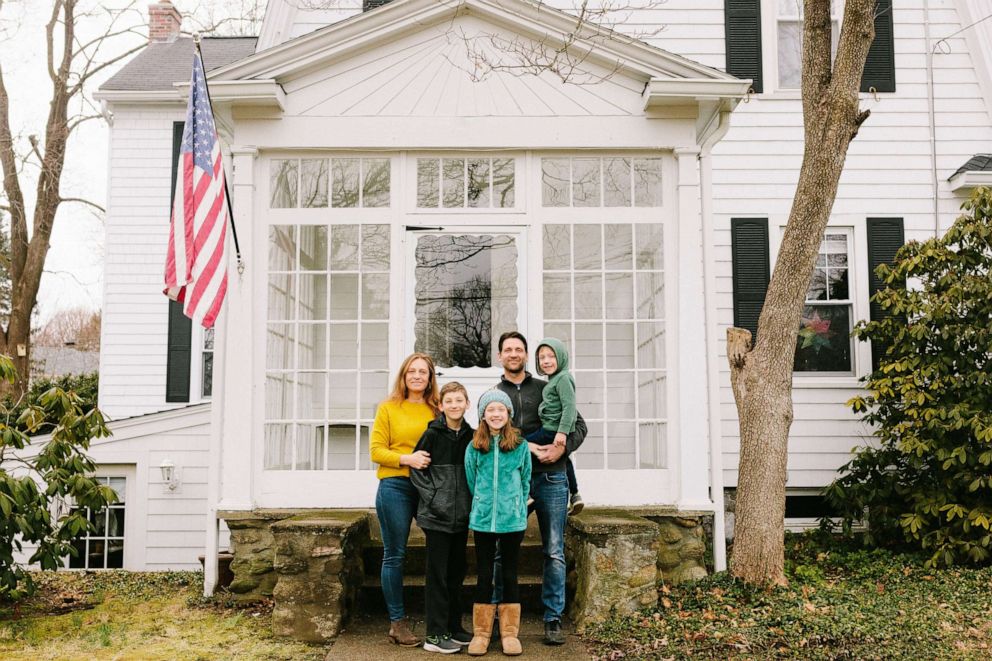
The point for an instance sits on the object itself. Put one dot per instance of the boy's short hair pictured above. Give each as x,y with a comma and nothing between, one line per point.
452,386
511,335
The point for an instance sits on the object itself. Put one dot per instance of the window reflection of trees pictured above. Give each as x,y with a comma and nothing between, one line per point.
463,285
454,183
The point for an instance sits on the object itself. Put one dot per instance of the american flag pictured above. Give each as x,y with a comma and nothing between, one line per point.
196,262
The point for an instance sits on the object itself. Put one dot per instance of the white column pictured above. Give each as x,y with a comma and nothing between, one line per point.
237,442
689,369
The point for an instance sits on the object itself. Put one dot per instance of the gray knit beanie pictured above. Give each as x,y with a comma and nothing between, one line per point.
494,395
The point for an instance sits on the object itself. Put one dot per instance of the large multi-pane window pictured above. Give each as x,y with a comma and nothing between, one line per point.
326,348
102,547
824,343
604,297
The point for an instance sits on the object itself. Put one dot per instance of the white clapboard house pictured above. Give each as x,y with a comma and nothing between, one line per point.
400,183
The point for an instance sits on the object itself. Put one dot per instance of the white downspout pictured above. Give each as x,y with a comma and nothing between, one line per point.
712,348
932,124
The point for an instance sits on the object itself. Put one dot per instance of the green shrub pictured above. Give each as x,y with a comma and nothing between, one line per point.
927,481
85,386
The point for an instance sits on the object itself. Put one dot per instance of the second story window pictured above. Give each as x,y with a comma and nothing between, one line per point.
789,20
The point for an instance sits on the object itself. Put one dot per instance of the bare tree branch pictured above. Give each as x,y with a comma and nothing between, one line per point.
83,201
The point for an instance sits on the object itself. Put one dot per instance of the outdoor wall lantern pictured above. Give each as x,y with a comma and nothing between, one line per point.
169,474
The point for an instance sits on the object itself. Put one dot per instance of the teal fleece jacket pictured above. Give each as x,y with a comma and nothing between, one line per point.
557,408
499,482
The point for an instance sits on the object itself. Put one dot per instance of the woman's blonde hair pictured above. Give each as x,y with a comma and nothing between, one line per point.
401,392
508,440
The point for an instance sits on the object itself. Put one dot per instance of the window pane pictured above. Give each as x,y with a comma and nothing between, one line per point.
344,296
503,183
375,296
620,396
557,296
591,454
650,295
341,447
652,445
115,554
282,296
619,244
278,395
78,561
555,182
619,295
310,447
651,395
621,445
115,522
557,247
313,183
375,187
588,247
453,183
824,342
207,374
118,484
313,296
650,345
478,183
375,247
313,247
589,395
586,179
817,286
344,346
375,386
428,182
561,331
620,345
278,453
588,346
837,288
280,349
589,296
98,519
310,390
343,392
96,558
344,247
282,248
616,182
647,182
311,346
344,182
375,353
789,54
283,183
364,461
650,246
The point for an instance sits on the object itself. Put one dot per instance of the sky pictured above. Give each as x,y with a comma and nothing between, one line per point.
74,269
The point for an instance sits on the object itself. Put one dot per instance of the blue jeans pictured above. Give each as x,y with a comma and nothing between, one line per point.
550,493
395,505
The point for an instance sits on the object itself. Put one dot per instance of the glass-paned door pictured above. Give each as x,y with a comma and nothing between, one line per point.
466,290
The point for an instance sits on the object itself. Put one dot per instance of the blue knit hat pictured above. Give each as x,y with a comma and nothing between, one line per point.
494,395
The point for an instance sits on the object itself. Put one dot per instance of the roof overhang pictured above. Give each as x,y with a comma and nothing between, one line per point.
970,179
661,92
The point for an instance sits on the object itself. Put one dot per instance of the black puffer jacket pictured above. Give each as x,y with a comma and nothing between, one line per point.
445,501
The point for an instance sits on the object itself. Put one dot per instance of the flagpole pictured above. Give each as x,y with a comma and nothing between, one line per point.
227,192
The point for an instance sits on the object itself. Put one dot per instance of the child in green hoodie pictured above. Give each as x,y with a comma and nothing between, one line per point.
557,410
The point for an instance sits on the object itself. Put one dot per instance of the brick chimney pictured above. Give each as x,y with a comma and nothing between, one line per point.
163,22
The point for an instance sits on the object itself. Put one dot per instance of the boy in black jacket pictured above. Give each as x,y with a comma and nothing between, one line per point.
442,513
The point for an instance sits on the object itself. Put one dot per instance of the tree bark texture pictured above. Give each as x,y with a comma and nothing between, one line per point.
761,376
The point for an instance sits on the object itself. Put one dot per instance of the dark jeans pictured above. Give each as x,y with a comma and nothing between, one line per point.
445,575
395,505
550,493
485,555
544,436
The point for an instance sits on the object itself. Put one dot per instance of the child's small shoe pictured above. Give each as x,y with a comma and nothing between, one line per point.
441,644
461,637
575,504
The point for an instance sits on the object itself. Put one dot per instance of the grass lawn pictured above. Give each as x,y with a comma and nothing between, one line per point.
122,615
842,603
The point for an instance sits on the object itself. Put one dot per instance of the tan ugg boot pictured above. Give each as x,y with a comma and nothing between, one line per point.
509,629
482,628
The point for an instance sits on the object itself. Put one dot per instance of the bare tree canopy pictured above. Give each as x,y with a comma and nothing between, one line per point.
77,327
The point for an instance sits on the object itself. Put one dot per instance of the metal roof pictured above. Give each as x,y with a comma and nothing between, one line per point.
160,65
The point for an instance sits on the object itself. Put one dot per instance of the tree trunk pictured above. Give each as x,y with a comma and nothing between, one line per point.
761,376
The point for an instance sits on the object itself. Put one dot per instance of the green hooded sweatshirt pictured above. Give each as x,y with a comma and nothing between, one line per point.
557,408
500,483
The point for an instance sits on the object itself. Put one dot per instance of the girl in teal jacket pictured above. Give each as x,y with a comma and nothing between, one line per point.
497,468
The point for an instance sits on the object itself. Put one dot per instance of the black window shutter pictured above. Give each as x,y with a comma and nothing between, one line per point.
749,249
180,343
885,237
880,67
742,22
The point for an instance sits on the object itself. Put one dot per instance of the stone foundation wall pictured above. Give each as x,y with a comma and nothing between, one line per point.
617,558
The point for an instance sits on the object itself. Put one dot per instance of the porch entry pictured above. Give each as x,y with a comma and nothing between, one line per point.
465,287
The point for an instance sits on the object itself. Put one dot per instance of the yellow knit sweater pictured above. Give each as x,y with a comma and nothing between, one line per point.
397,428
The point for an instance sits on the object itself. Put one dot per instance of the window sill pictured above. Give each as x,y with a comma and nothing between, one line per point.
815,381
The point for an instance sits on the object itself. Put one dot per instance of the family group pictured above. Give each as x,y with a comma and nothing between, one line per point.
453,479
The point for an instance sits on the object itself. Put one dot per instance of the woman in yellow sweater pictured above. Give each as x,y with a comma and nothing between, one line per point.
400,421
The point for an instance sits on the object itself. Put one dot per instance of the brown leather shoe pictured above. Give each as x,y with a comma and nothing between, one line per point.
482,628
509,629
401,634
